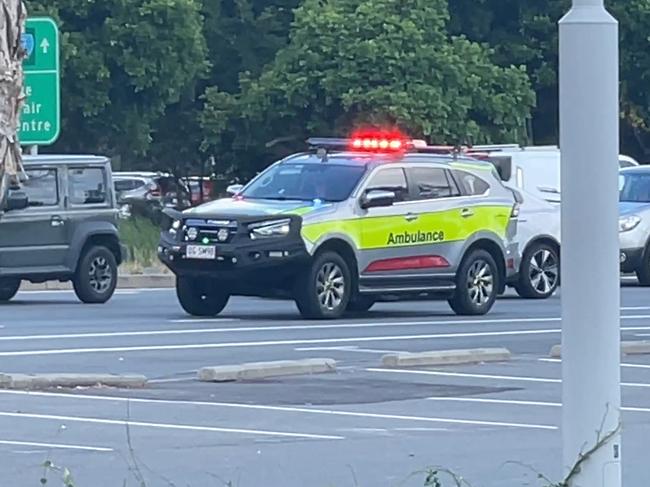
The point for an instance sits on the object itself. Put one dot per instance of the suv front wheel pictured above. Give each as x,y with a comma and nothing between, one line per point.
477,284
96,276
200,297
8,289
539,274
323,292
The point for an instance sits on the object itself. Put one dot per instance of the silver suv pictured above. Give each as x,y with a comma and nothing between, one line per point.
634,222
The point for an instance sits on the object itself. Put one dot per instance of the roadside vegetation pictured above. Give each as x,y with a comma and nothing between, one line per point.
162,85
140,235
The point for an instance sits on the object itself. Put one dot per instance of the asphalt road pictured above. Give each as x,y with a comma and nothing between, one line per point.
496,424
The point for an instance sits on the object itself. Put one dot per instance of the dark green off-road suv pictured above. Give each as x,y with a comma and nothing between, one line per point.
61,224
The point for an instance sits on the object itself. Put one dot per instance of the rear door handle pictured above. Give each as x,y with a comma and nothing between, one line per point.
56,221
466,212
410,217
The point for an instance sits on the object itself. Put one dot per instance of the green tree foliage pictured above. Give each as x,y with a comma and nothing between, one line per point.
242,36
378,62
124,62
525,32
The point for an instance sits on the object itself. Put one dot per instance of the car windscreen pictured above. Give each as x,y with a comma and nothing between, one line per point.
634,187
311,181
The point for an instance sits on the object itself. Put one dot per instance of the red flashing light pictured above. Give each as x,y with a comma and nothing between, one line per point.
378,141
408,263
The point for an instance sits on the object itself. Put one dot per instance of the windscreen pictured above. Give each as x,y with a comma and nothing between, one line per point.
634,188
323,181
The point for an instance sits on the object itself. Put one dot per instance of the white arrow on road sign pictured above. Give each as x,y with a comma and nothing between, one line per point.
45,45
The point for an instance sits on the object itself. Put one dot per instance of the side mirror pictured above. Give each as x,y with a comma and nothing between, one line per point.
234,189
16,200
377,198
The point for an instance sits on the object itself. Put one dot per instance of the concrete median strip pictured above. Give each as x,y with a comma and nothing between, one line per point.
446,357
638,347
263,370
45,381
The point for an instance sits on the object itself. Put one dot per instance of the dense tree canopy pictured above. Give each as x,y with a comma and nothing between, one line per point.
168,83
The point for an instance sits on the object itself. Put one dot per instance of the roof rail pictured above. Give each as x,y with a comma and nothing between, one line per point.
494,147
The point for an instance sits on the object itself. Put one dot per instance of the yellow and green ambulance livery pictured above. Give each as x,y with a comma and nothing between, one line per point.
346,224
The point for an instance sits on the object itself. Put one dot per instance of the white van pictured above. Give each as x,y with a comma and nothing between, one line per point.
535,169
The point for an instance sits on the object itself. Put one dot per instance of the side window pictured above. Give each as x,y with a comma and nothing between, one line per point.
124,184
432,183
471,184
41,187
393,179
86,186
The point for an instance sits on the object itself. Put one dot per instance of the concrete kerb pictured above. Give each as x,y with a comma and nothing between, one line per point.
446,357
263,370
48,381
124,281
637,347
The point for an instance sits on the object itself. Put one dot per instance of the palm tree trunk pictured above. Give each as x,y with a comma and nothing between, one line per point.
12,25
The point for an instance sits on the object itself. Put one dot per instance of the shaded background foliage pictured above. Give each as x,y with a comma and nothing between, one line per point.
167,84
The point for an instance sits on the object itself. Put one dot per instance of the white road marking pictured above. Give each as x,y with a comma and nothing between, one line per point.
352,348
185,427
514,402
629,366
269,343
287,409
635,308
487,376
55,446
193,331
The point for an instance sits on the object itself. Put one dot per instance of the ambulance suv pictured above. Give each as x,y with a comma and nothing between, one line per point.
345,224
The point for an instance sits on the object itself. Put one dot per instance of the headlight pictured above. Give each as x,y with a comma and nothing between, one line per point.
192,233
173,229
272,228
627,223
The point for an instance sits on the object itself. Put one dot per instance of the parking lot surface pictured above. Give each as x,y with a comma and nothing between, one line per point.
495,424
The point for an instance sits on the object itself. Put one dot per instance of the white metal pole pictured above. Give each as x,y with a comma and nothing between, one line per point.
589,141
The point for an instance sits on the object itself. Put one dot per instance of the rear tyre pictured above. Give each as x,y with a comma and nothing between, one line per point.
200,297
477,284
360,304
643,272
539,274
323,291
96,276
8,289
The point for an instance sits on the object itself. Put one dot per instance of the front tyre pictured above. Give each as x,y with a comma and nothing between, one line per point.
477,284
96,276
8,289
200,297
539,274
323,292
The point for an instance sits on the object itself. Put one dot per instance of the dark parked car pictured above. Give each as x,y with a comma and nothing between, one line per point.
61,224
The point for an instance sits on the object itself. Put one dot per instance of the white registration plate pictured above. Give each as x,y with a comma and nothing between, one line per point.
205,252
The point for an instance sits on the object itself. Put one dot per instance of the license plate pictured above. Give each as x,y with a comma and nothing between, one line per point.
201,252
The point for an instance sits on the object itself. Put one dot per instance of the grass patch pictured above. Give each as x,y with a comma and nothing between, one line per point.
141,236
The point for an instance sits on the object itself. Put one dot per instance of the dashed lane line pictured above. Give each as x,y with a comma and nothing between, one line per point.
287,409
56,446
167,426
488,376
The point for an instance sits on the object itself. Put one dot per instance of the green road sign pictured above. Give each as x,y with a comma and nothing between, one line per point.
40,121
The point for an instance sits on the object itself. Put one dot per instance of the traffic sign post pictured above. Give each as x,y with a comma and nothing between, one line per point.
40,120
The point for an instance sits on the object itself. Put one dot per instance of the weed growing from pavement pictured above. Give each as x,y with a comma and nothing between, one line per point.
433,477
